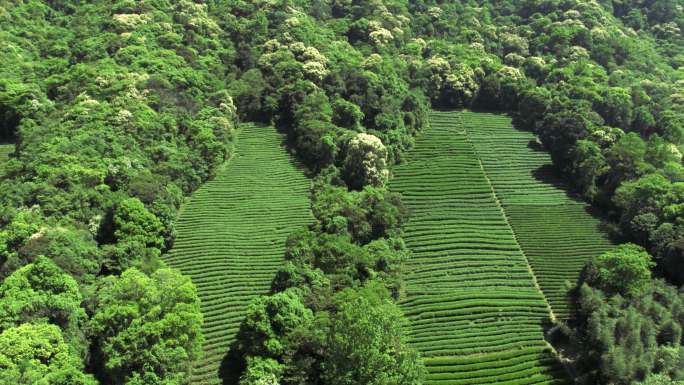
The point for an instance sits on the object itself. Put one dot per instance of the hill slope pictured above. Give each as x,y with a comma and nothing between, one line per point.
231,236
474,310
555,230
5,150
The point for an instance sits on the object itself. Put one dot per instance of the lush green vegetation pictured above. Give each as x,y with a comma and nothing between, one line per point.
630,326
475,313
5,151
118,110
348,112
331,315
231,236
554,229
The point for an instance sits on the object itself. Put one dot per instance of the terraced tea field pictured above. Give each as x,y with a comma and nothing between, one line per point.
474,310
555,230
5,150
231,236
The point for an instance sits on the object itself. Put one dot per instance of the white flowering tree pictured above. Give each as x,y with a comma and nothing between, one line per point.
452,86
366,162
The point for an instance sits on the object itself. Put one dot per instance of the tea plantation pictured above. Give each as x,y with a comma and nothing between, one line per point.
475,312
493,233
231,236
555,230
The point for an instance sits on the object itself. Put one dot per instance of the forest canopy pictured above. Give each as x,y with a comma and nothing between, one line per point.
117,111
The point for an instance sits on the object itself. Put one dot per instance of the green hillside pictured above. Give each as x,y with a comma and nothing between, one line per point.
355,237
5,150
555,230
474,310
231,236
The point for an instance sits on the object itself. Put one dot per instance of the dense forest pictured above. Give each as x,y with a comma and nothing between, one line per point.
119,111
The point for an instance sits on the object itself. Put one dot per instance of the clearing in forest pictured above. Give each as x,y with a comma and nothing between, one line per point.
231,236
475,312
556,231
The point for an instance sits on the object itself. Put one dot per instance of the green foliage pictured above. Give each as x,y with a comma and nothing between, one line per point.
133,223
261,371
651,212
344,262
147,327
624,270
367,344
659,379
625,340
299,275
12,236
588,167
117,110
107,103
278,339
139,238
366,215
333,254
627,159
347,115
74,251
36,354
270,320
42,292
365,162
617,108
